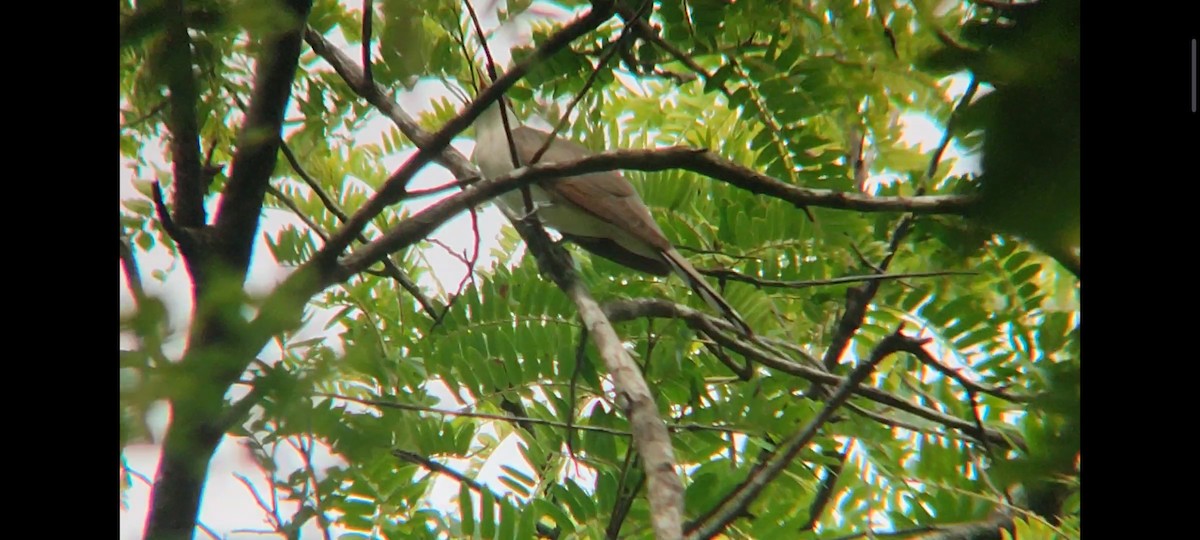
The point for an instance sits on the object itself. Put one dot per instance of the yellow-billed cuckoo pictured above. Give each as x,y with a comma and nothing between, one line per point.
600,212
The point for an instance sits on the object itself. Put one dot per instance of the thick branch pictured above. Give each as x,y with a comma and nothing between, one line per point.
650,436
188,193
258,143
218,352
710,164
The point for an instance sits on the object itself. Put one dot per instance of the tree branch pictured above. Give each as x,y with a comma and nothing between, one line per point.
519,419
376,95
824,492
390,268
426,222
435,467
258,143
971,386
218,353
739,500
720,331
394,188
188,192
132,275
650,436
801,284
626,492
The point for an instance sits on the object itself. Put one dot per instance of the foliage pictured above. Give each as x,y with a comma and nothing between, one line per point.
793,90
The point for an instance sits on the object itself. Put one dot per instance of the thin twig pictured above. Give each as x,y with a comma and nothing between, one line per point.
149,114
887,30
824,494
971,386
474,251
457,184
437,468
262,504
390,268
744,373
722,332
307,451
133,276
566,115
450,251
898,533
580,358
531,420
948,132
800,284
626,492
295,208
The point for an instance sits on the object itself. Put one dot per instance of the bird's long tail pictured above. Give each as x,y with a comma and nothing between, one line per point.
688,273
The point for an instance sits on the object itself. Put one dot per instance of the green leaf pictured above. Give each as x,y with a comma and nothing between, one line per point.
465,509
487,514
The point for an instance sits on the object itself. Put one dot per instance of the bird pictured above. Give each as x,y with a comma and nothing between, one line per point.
600,212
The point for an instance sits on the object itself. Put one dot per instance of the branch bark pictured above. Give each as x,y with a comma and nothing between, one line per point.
188,192
650,436
426,222
216,352
258,144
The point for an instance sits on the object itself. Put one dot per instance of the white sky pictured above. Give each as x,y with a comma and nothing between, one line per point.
228,508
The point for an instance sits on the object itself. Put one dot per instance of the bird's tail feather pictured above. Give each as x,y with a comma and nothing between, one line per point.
688,273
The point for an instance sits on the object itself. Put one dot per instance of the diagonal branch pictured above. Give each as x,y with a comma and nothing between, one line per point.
650,436
377,96
721,332
132,275
390,267
824,494
971,386
394,188
738,501
591,80
543,530
384,404
258,143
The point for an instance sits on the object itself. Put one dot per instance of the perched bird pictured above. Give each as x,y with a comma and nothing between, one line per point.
600,212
